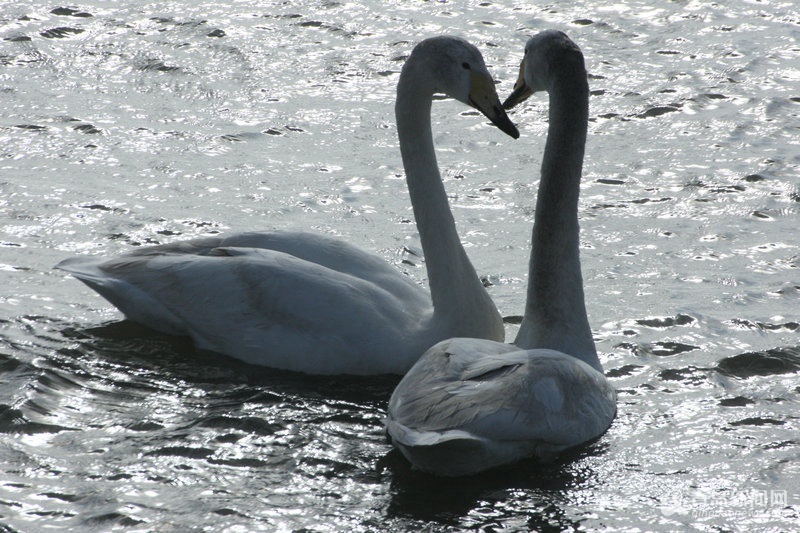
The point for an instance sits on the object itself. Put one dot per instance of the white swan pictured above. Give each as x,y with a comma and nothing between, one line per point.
309,303
471,404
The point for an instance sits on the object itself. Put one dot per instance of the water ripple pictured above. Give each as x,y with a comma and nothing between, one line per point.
124,125
772,362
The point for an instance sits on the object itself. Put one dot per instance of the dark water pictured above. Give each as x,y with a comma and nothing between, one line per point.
154,121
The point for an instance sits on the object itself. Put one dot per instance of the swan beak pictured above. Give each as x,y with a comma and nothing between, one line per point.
483,97
521,90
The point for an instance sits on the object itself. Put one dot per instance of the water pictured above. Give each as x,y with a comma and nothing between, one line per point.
156,121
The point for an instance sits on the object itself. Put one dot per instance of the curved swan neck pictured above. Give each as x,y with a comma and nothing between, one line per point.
455,287
555,312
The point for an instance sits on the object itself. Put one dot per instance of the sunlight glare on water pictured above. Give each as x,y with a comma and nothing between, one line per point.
136,123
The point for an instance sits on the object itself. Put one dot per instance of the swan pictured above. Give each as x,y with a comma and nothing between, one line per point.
468,404
309,303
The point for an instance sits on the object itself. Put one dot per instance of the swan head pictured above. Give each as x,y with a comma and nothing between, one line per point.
546,55
456,68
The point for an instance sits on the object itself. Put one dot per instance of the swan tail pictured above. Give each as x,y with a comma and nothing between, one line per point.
452,453
134,303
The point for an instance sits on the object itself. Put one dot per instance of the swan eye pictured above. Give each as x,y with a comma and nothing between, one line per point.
465,65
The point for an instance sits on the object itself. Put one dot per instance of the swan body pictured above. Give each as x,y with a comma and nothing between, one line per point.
472,404
310,303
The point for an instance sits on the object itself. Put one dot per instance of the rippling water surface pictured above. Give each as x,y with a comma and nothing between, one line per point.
125,124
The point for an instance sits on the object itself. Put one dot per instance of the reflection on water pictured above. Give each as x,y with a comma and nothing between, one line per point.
123,126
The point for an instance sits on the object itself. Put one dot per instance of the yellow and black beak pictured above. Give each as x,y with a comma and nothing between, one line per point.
521,90
483,97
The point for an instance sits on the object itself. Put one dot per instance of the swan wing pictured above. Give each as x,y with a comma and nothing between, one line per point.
286,312
552,400
499,402
330,252
445,389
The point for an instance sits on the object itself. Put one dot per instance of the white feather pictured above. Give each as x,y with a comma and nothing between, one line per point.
315,304
472,404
